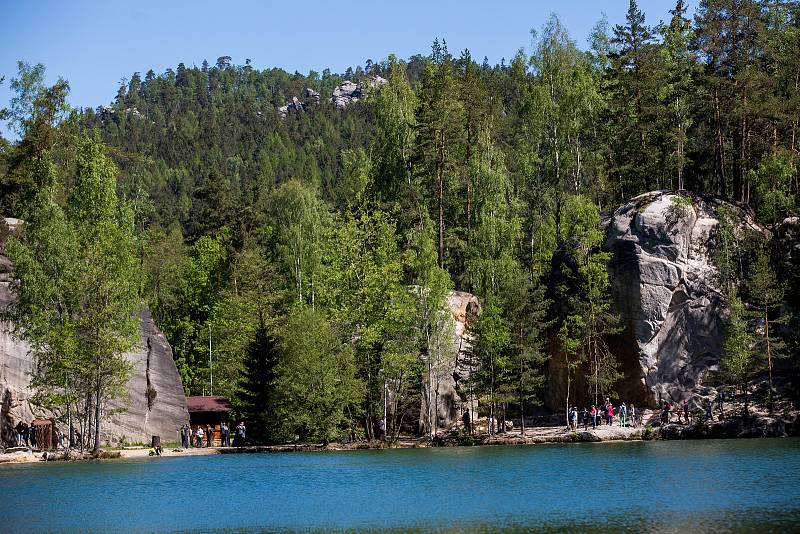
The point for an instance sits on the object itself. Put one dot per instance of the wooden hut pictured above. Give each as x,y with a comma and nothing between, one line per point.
46,434
209,411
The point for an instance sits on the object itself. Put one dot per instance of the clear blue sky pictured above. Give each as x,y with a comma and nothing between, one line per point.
95,44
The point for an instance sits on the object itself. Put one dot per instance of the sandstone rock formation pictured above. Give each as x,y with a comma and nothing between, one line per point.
154,371
350,92
664,286
153,367
294,105
451,376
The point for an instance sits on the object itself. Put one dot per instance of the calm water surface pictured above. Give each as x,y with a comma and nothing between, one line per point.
719,486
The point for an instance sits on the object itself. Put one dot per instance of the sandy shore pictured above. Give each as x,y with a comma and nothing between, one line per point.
515,437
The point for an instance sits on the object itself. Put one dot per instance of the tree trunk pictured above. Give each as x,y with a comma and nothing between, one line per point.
770,403
722,185
440,197
521,412
97,417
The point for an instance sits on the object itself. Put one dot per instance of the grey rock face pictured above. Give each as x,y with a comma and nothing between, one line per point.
312,96
451,375
155,368
136,421
664,286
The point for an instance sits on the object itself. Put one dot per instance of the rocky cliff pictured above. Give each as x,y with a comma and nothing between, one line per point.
665,289
135,421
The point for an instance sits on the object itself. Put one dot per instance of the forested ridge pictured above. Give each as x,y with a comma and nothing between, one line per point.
316,248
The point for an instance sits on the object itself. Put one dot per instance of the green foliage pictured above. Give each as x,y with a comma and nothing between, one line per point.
726,250
590,320
492,349
773,182
255,396
739,360
679,208
300,217
767,296
316,380
78,288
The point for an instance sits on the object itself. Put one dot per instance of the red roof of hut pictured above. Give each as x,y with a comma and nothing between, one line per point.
208,404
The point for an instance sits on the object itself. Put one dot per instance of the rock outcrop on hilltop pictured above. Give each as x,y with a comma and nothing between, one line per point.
350,92
137,419
452,374
665,289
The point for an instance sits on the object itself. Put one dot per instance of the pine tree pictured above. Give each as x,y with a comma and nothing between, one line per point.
634,103
677,93
256,393
440,132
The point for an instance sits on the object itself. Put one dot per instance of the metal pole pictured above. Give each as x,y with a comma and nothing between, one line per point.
210,361
385,428
69,411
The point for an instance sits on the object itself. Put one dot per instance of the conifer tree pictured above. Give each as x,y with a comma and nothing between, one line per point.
256,394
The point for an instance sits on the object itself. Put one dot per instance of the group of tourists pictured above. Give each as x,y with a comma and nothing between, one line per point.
203,436
26,435
606,413
681,410
626,414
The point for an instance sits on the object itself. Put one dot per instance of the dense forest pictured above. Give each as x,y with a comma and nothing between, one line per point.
313,247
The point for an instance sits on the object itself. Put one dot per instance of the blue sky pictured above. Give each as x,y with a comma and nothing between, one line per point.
95,44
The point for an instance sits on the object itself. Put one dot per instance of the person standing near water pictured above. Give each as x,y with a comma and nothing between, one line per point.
610,414
585,418
594,417
209,436
467,422
623,412
224,433
241,434
32,432
199,437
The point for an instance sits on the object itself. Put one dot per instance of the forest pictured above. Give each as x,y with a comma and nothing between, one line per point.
314,248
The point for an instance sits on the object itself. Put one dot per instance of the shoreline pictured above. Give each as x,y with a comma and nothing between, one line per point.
729,429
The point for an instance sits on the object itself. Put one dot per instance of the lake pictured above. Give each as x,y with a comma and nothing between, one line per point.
666,486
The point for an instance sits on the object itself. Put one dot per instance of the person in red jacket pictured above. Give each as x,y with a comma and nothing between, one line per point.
610,414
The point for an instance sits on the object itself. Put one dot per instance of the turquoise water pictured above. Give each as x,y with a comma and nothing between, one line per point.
720,486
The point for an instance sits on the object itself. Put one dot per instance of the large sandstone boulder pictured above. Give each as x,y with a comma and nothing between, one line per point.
133,418
665,289
450,375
